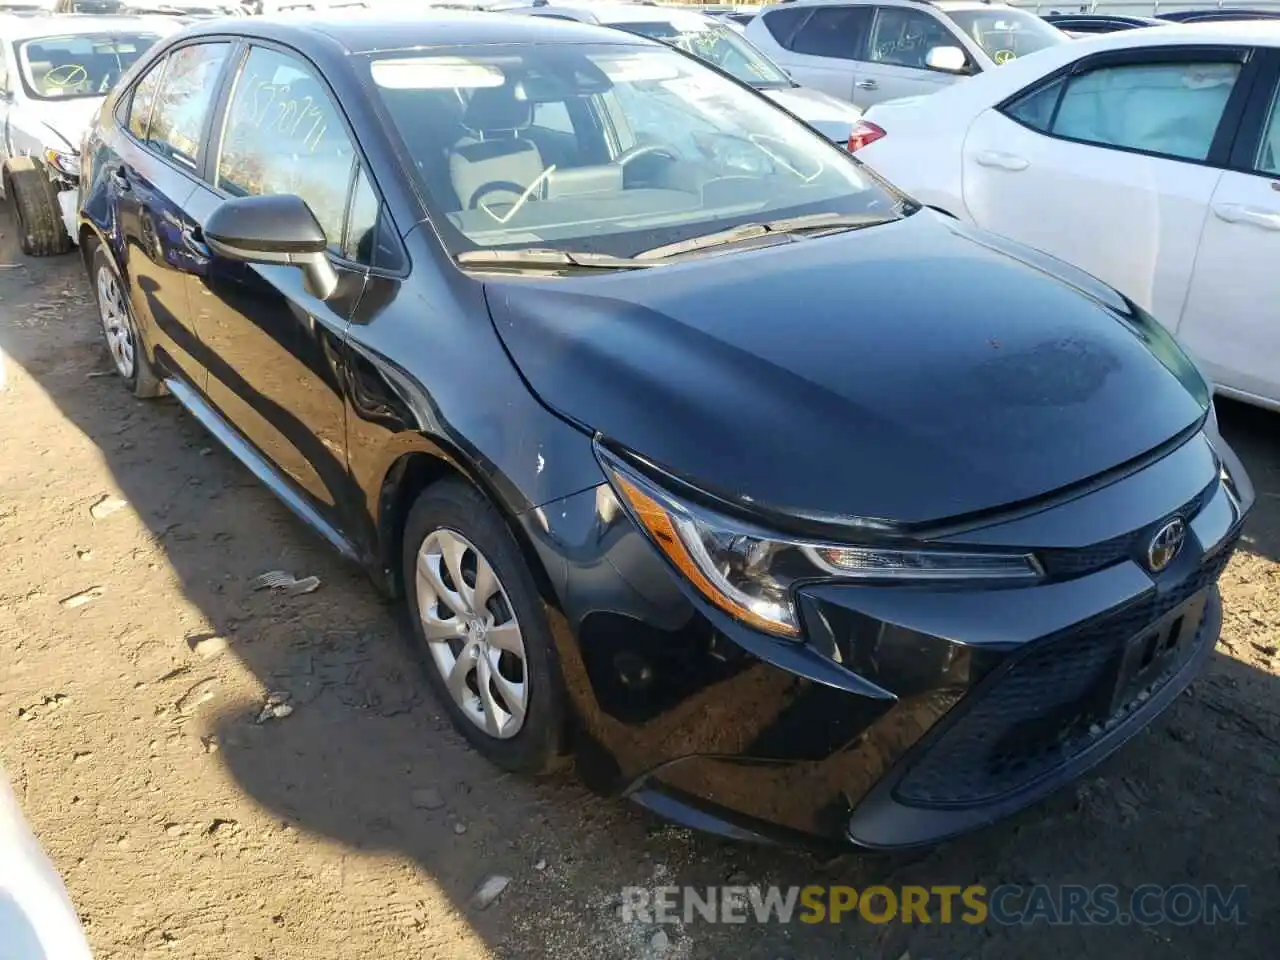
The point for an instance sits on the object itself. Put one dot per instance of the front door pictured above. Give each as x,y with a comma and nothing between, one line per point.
1110,169
152,181
274,348
895,65
1232,317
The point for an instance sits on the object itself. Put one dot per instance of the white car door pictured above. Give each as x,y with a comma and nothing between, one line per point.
895,66
1111,167
1231,322
824,49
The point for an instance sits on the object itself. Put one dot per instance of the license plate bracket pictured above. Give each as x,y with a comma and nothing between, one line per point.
1155,651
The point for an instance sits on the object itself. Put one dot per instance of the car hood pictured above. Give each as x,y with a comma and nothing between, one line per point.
910,372
832,118
68,120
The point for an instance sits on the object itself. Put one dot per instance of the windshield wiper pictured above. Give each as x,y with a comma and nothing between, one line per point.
546,257
810,223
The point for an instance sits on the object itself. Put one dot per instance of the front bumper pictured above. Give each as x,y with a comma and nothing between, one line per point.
68,207
907,714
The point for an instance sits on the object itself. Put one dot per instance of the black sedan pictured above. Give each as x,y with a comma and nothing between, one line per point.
789,507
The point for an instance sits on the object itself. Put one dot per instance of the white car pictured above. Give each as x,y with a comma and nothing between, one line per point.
1149,158
55,71
869,51
717,43
37,920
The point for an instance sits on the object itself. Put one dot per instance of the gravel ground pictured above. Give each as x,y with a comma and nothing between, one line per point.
137,659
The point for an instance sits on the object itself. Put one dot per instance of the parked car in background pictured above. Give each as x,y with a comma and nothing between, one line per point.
1218,14
803,510
55,72
1150,158
712,41
1089,24
37,918
869,51
129,8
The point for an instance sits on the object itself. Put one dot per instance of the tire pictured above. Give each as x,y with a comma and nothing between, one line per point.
452,512
35,206
120,330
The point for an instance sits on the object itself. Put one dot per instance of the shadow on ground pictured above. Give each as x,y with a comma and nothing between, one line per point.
1192,800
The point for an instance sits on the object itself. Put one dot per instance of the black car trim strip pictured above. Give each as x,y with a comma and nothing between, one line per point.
227,435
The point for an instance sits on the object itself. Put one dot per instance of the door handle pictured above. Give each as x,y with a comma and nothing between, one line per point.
1004,161
1255,216
867,85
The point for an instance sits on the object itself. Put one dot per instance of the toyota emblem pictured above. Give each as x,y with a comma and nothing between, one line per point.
1166,544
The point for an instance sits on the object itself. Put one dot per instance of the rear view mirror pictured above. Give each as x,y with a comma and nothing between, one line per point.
947,59
274,229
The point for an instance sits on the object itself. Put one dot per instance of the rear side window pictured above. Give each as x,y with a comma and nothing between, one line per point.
177,122
836,32
1171,109
782,23
143,99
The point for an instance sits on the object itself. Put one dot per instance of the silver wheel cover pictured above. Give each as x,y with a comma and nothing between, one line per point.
115,322
472,633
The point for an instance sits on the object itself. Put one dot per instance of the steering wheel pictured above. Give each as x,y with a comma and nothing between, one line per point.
643,150
67,75
494,186
1001,57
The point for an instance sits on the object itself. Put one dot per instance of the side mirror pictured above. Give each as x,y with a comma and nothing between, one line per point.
274,229
946,59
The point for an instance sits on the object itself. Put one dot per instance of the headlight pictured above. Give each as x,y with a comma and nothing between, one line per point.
67,164
750,574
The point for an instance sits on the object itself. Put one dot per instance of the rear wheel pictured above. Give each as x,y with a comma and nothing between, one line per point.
119,329
35,206
481,629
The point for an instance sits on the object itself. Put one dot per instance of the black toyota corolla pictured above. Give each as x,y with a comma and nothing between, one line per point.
787,507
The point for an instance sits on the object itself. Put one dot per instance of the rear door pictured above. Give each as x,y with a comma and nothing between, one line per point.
1111,164
274,368
901,38
827,48
1232,317
153,176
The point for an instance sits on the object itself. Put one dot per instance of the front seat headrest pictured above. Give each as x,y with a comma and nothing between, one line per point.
496,109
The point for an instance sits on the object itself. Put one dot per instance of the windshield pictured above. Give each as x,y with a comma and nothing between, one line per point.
1007,34
86,65
605,148
717,44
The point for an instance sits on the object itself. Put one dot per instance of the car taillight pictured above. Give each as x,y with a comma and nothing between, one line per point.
864,132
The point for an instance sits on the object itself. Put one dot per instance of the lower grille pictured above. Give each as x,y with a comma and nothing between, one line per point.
1036,713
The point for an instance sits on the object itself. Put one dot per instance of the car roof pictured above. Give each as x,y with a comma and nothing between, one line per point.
67,25
1252,32
378,31
944,5
608,11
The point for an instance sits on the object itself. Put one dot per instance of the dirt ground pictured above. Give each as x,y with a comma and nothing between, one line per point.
183,828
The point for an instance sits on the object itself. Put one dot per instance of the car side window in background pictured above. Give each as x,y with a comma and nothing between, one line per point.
782,23
143,99
838,32
183,102
1268,160
552,115
283,134
1171,109
1036,108
904,37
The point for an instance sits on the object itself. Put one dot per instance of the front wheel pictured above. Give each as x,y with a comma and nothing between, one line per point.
35,207
481,629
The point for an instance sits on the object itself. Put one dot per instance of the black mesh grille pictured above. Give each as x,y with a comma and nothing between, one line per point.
1075,562
1035,714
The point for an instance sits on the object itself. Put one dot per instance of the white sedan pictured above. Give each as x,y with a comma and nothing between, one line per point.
1149,158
